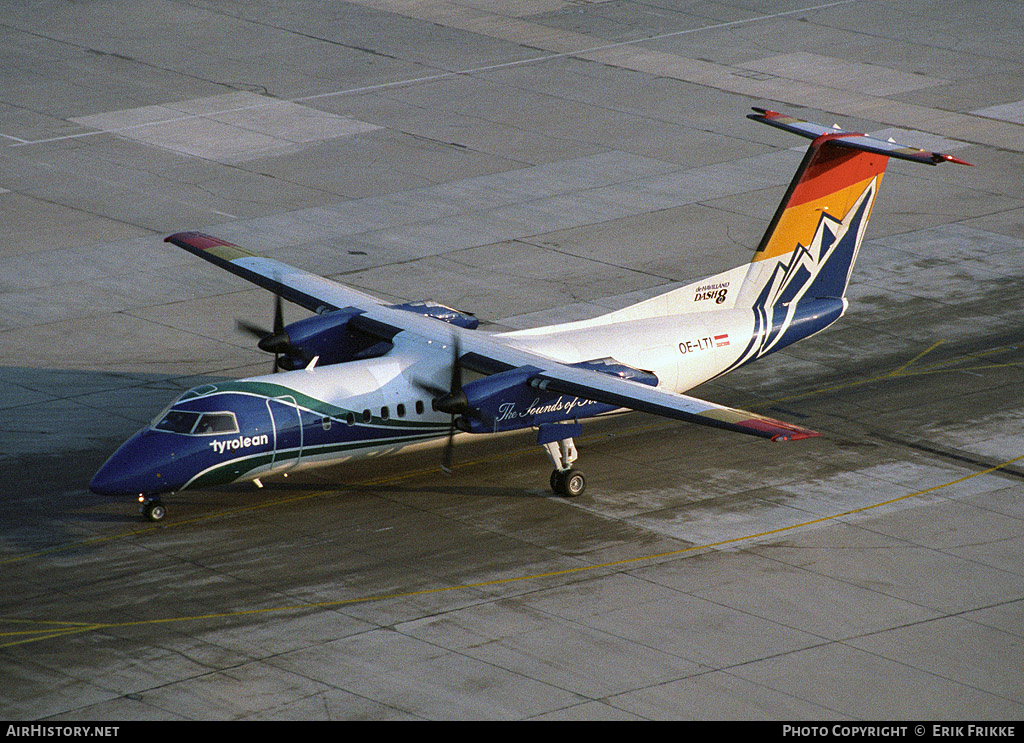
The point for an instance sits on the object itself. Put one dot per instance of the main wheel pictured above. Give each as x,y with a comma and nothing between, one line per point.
570,483
153,510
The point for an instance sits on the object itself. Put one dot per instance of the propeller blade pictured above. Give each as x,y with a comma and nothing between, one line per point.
447,461
456,385
275,341
452,401
256,331
278,315
431,389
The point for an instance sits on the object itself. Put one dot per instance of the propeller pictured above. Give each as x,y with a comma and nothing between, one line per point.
452,401
274,341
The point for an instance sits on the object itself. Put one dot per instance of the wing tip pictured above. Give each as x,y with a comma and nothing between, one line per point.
197,240
776,430
795,436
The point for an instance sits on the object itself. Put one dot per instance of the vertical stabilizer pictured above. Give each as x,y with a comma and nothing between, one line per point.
796,282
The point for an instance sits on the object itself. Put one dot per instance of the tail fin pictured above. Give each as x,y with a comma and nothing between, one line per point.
799,274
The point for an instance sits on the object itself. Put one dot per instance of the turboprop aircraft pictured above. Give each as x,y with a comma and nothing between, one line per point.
363,378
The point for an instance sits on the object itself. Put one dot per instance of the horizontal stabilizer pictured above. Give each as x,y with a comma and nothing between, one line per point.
851,140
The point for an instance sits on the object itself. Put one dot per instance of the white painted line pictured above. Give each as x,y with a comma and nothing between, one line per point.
446,75
559,55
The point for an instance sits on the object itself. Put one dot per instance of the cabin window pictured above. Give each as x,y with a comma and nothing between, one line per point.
350,418
385,413
400,409
419,407
367,416
326,423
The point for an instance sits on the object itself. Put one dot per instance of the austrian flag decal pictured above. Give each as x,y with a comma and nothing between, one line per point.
721,340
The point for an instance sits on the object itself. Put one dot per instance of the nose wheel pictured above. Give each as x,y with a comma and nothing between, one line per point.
152,509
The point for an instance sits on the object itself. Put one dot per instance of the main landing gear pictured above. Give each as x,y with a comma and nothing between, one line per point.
152,509
558,445
569,483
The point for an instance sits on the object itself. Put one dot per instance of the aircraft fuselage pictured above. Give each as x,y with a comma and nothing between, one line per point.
271,424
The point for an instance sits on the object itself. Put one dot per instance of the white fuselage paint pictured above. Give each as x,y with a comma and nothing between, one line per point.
671,336
682,351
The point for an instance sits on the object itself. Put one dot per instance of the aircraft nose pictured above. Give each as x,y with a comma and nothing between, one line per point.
111,479
128,471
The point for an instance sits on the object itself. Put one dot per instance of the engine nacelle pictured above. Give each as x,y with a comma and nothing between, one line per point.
330,337
440,312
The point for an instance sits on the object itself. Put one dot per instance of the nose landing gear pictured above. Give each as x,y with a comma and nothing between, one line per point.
152,509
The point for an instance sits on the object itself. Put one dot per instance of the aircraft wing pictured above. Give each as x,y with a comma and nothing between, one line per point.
624,393
305,289
479,351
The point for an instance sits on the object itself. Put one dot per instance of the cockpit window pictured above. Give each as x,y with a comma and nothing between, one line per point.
197,424
177,421
216,423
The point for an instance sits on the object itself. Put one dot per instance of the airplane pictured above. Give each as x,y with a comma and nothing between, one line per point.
363,378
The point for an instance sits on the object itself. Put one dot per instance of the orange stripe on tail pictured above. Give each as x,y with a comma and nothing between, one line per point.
830,181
